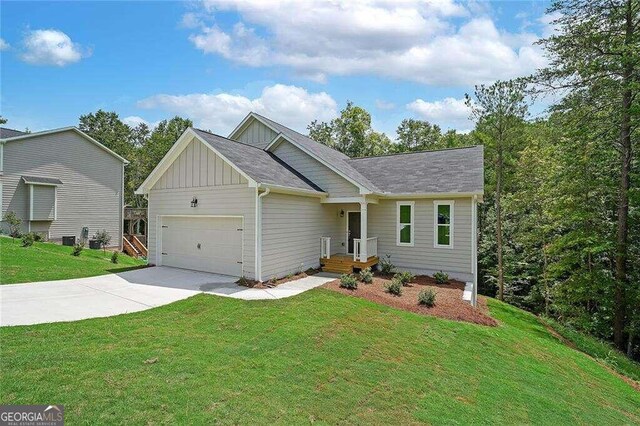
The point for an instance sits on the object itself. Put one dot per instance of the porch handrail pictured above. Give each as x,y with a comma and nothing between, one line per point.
325,247
372,248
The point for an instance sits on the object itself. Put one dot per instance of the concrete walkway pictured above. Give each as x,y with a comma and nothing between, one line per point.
132,291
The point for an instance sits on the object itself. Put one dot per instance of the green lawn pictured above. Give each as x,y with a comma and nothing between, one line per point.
320,356
48,261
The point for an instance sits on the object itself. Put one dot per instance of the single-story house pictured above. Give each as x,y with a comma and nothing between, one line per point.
61,183
267,201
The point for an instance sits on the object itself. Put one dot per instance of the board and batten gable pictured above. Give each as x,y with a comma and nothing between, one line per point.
91,190
312,169
423,257
220,190
256,134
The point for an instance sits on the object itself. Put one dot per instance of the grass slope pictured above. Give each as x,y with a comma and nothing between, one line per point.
48,261
320,356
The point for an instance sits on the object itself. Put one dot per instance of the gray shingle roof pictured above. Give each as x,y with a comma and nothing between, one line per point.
335,158
41,180
261,166
10,133
458,170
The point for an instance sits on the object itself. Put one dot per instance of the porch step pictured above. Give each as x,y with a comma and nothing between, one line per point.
344,264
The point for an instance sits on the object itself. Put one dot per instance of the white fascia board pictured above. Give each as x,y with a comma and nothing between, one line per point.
245,121
295,191
439,195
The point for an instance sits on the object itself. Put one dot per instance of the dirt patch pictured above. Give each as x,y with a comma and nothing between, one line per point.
449,303
274,283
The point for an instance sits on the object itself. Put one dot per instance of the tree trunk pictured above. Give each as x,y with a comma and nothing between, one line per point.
499,165
623,201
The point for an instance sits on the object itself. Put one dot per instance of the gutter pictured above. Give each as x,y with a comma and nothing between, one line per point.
258,239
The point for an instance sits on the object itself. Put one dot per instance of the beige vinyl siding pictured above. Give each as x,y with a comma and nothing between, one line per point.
91,190
291,230
228,200
44,202
315,171
198,166
423,256
256,134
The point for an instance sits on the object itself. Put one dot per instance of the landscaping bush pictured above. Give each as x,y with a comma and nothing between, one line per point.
114,257
366,276
14,223
77,248
386,267
441,277
394,287
404,277
103,238
28,239
427,297
349,282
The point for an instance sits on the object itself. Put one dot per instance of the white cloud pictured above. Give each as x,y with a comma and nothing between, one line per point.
409,39
290,105
134,120
448,113
4,45
51,47
382,104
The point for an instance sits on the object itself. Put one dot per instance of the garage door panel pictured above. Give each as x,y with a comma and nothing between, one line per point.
211,244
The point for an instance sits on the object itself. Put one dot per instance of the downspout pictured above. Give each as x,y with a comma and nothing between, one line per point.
258,263
474,248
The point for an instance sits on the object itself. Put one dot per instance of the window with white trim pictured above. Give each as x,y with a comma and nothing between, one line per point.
404,218
443,224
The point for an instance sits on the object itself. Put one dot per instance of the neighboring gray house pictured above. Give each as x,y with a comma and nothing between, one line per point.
269,201
61,181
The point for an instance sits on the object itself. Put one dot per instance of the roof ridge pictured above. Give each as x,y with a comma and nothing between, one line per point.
226,138
13,130
415,152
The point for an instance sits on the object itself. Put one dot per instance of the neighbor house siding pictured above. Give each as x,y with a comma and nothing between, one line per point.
256,134
44,199
198,166
91,190
328,180
291,230
423,257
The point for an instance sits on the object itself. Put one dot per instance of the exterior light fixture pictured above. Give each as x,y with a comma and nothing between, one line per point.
341,213
194,202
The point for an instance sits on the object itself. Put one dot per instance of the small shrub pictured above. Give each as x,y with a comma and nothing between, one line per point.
14,223
102,237
243,281
394,287
441,277
349,282
427,297
114,257
77,248
28,239
404,277
366,276
386,267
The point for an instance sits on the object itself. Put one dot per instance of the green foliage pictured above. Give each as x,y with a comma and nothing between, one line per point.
417,135
404,277
366,276
427,297
348,281
102,237
114,257
28,239
386,267
441,277
394,287
77,248
14,223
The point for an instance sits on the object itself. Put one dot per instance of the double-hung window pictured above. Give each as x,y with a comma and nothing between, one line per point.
443,224
404,230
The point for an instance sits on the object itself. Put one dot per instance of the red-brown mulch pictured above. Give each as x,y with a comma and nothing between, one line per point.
449,303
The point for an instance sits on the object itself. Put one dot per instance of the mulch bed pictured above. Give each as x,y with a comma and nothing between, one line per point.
449,303
275,283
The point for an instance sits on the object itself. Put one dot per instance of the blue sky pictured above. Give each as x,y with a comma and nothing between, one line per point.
293,61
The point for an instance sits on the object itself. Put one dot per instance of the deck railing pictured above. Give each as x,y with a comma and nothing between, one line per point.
372,248
325,247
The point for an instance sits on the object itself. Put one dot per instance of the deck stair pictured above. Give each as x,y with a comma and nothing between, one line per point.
134,247
344,263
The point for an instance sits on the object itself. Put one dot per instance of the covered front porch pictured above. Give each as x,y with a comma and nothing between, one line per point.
351,246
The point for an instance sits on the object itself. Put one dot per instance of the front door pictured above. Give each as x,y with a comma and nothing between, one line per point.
353,229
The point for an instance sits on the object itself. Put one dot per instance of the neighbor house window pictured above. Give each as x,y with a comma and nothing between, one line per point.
443,224
405,223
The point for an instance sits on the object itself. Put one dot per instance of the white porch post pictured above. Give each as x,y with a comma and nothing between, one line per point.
363,231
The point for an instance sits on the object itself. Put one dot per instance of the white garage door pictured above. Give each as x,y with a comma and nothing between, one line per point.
211,244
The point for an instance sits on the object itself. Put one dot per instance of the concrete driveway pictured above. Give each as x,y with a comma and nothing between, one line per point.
132,291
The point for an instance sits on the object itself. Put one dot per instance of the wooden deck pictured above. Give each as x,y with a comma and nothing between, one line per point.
344,263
